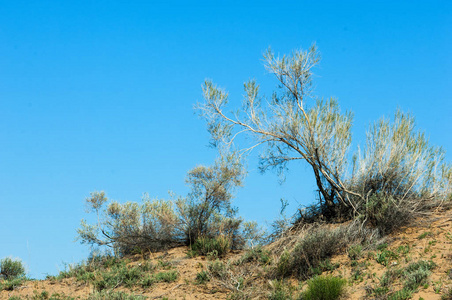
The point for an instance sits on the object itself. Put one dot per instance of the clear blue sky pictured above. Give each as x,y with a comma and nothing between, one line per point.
99,95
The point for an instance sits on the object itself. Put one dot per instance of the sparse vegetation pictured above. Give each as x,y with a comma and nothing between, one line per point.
324,288
216,247
11,268
392,179
110,295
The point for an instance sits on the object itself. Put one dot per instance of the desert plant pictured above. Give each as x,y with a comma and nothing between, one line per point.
206,212
398,174
314,248
403,294
131,226
395,176
111,295
202,277
9,285
216,247
416,274
324,288
280,290
447,295
355,251
166,276
11,268
217,269
255,254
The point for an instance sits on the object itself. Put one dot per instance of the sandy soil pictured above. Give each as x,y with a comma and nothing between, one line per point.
435,245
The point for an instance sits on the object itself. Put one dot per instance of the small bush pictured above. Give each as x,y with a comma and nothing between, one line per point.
317,246
217,269
202,277
110,295
218,246
447,295
280,290
355,251
324,288
403,294
166,276
255,254
9,285
11,269
390,276
385,256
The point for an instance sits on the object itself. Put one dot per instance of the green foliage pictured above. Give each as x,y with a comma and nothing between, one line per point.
217,269
385,256
202,277
355,251
284,264
216,247
166,276
416,274
111,295
403,294
324,288
390,276
447,295
9,285
11,268
424,235
280,290
315,247
44,295
258,254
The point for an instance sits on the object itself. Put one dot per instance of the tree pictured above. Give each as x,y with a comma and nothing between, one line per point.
207,211
295,125
288,127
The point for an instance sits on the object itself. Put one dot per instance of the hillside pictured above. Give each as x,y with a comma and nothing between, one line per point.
422,251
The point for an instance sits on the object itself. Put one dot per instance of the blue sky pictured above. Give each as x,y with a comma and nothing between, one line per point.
99,95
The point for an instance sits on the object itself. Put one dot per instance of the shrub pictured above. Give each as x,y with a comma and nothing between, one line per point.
110,295
355,251
398,174
11,268
416,274
206,212
403,294
447,295
280,290
324,288
218,246
131,227
255,254
9,285
314,248
217,269
166,276
202,277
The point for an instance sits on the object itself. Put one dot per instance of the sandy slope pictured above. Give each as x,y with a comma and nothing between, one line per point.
429,239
